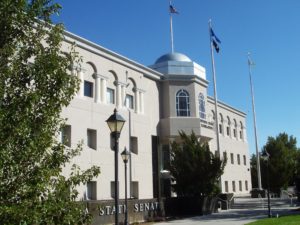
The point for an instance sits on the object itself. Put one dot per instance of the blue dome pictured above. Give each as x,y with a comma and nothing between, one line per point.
175,56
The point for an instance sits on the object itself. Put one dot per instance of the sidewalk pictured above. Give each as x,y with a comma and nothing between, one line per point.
231,217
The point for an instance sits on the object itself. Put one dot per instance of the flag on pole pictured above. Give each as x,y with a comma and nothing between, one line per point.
172,9
215,40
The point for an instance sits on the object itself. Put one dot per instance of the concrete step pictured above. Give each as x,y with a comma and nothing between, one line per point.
250,203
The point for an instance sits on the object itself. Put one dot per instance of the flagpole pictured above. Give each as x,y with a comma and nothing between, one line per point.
171,29
215,88
254,122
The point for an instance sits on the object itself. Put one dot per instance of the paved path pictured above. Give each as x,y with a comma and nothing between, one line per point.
230,217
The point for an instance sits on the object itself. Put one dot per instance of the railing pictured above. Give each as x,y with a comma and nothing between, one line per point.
289,195
261,200
226,201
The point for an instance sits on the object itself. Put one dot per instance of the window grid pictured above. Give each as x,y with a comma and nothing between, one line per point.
183,103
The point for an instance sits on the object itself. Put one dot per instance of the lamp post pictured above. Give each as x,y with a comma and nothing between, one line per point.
125,156
266,157
115,123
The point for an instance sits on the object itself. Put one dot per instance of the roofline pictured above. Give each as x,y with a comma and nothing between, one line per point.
99,50
224,105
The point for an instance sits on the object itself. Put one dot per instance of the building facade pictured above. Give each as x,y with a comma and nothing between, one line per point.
156,102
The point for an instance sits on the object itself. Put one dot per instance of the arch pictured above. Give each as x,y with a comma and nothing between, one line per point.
114,75
93,66
202,110
130,95
183,103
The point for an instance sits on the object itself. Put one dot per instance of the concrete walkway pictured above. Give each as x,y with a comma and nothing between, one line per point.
231,217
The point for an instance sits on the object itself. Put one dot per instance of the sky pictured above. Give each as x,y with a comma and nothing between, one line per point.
269,29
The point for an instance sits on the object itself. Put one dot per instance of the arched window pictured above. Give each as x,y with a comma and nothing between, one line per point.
228,133
201,100
183,103
234,128
242,131
221,124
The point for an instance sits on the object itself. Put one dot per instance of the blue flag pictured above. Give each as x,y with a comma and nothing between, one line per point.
173,10
215,40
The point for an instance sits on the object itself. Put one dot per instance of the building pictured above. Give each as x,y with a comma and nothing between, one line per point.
156,101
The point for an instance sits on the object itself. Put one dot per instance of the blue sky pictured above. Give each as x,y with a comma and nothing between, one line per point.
269,29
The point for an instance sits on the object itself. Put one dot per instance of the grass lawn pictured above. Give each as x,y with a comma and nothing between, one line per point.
284,220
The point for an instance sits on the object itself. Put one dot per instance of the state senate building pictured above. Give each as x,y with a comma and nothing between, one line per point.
157,102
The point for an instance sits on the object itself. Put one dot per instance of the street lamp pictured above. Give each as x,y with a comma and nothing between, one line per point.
266,157
125,156
115,123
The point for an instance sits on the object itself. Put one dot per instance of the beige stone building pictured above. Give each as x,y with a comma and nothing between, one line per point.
156,102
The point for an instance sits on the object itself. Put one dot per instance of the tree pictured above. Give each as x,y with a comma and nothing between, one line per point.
195,169
253,166
35,84
282,161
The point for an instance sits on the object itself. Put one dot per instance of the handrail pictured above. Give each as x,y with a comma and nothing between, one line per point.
289,194
226,201
262,200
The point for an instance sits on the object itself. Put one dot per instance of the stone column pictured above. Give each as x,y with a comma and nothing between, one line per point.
141,102
119,97
80,75
97,88
137,101
103,90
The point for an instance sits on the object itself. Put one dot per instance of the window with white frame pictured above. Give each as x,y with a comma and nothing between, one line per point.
110,96
183,103
91,190
202,111
88,89
92,138
65,134
129,101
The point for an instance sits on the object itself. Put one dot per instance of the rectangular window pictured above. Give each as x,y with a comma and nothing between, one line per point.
220,129
66,135
240,186
88,89
92,138
238,159
135,189
228,131
231,158
246,185
226,186
91,190
245,162
110,96
233,186
241,134
224,155
234,132
134,145
112,189
129,101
